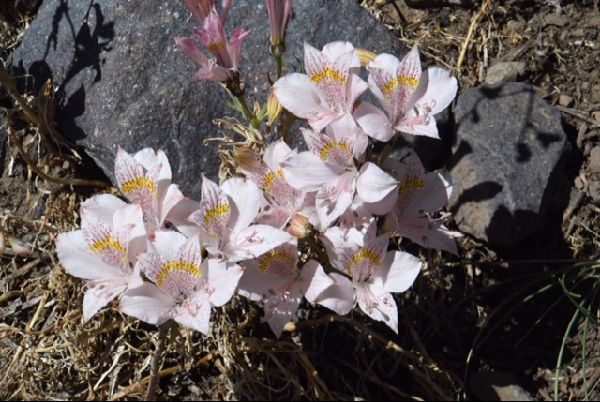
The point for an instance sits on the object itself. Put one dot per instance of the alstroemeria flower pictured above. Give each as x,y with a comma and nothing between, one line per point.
374,274
283,200
329,169
112,235
183,287
328,89
145,179
225,219
409,96
274,279
419,195
279,13
201,8
225,64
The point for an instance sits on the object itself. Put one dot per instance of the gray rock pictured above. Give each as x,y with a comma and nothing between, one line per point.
507,165
496,386
122,81
505,71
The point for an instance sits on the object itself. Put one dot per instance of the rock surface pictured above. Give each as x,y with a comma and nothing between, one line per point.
505,71
507,162
122,81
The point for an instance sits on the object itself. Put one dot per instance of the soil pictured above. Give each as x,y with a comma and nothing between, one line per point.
505,312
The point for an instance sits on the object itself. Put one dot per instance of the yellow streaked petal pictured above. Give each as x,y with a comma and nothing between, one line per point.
399,80
170,266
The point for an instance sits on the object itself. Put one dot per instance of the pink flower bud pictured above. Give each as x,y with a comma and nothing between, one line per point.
279,14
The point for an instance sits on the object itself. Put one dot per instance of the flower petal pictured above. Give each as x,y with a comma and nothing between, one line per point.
374,122
399,271
247,199
314,280
222,280
147,303
378,306
194,313
280,308
99,294
306,171
75,256
300,96
254,241
338,297
373,184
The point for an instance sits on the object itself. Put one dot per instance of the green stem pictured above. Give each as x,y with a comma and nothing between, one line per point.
251,117
388,148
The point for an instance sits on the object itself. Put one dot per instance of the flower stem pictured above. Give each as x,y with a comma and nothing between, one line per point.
251,117
153,383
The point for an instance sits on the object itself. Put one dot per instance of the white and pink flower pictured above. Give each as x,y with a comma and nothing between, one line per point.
183,287
329,168
227,53
409,97
375,273
328,89
419,195
275,280
103,252
145,179
225,219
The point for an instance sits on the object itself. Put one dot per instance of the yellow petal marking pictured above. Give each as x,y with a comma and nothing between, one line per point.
171,266
327,73
411,184
136,184
399,80
107,243
274,256
363,254
215,213
330,145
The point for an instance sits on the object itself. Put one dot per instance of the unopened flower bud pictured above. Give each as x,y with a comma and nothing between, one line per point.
299,226
273,109
279,14
365,56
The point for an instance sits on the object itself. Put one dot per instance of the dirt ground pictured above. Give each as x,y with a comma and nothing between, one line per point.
523,320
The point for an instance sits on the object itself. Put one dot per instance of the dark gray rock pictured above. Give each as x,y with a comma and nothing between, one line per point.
496,386
508,161
122,81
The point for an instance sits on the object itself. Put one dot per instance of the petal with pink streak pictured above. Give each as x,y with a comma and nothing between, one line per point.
99,294
441,89
215,210
188,46
254,241
280,308
378,305
194,313
334,199
235,46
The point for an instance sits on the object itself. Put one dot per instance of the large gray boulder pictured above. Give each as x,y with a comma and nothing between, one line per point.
122,81
508,161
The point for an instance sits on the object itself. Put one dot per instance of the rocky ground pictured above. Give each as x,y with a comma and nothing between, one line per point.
514,315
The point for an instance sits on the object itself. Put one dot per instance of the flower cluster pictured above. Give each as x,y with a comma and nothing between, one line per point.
315,225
